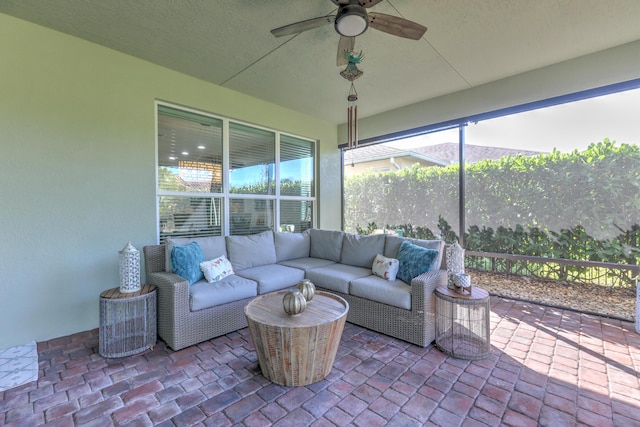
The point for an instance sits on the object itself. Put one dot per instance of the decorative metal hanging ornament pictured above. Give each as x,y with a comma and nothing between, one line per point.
352,117
352,72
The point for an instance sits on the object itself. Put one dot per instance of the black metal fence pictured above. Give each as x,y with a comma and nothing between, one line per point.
593,273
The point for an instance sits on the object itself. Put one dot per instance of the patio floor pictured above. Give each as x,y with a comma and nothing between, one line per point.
547,367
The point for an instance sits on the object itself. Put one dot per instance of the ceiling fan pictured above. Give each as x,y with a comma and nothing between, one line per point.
351,20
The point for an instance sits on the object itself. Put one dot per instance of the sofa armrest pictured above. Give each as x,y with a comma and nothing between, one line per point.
154,259
172,288
423,288
173,302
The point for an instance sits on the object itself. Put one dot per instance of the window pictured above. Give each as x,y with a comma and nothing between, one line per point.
296,167
218,176
297,187
252,158
190,175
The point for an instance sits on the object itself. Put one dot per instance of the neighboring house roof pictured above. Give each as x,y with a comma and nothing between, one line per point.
448,152
381,151
194,186
439,154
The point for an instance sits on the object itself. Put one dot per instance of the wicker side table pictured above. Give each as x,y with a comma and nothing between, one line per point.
462,323
127,321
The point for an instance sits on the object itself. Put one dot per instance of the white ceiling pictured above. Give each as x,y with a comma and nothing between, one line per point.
227,42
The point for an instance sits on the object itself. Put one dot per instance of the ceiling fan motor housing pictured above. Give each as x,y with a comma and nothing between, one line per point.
351,20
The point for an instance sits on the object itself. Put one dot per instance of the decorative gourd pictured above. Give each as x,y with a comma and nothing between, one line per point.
294,302
307,288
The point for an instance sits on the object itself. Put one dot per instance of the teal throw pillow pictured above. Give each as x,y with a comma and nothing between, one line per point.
414,260
186,260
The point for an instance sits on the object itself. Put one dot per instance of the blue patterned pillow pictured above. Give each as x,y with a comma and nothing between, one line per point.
414,260
186,260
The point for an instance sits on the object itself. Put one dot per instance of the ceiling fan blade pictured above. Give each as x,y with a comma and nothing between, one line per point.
397,26
369,3
363,3
345,43
308,24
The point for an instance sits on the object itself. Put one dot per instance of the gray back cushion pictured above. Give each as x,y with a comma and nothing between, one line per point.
392,246
212,247
360,251
292,245
326,244
251,251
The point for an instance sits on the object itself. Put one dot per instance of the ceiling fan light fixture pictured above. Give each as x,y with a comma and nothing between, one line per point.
351,20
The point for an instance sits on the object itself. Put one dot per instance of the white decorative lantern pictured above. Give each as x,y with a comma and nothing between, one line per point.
129,269
455,263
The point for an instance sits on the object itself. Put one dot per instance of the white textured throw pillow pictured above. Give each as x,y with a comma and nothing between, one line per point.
216,269
387,268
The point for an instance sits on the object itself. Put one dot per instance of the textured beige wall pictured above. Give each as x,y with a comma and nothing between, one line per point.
77,168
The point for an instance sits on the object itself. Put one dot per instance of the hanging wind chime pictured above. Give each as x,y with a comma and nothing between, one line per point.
352,117
351,72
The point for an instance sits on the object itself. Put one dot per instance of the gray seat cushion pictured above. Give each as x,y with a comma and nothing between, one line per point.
307,263
272,277
336,277
396,293
231,288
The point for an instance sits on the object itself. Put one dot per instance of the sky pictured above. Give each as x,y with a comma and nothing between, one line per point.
565,127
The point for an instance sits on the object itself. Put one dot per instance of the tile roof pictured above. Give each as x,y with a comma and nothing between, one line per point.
443,154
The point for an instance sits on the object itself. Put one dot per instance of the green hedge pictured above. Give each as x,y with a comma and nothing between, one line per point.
579,205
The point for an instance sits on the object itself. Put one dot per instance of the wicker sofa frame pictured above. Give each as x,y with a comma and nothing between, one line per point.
180,327
416,326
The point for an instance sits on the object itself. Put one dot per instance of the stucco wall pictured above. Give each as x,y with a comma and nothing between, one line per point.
77,170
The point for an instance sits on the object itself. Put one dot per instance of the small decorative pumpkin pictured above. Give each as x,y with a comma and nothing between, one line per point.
307,288
294,302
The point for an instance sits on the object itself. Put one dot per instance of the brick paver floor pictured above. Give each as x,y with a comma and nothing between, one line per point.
547,367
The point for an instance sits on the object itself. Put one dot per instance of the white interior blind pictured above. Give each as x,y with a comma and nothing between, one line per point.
252,157
297,163
189,152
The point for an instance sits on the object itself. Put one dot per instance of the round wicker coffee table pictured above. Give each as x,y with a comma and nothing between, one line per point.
296,350
462,323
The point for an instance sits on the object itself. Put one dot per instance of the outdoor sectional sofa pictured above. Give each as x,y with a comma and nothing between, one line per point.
336,262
